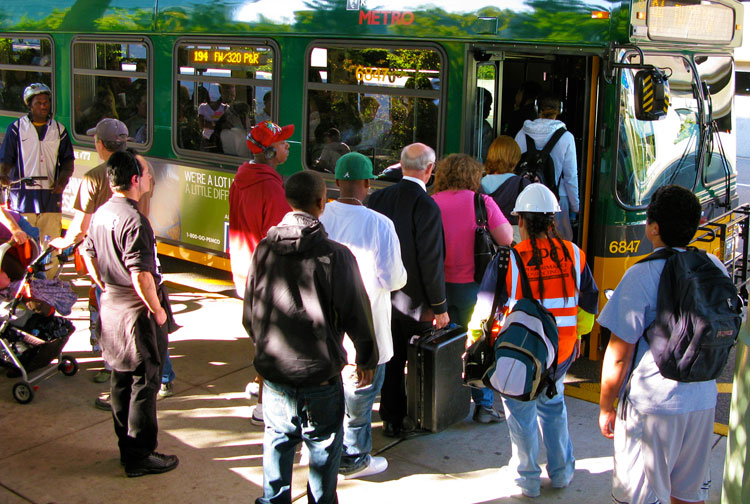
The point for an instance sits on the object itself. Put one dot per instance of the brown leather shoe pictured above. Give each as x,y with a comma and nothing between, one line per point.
156,463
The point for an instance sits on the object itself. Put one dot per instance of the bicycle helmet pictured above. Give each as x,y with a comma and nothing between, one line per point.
34,89
536,198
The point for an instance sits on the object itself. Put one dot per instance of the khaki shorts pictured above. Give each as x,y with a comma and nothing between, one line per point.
658,456
49,224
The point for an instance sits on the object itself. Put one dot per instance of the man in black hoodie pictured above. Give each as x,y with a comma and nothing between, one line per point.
304,292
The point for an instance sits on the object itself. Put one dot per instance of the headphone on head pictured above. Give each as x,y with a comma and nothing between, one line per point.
268,152
536,106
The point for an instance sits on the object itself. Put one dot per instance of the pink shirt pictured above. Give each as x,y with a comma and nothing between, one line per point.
459,226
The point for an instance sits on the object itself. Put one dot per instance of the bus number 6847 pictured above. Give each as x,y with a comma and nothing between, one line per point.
624,247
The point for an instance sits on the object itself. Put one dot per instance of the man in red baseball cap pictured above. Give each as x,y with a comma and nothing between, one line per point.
267,140
256,196
257,202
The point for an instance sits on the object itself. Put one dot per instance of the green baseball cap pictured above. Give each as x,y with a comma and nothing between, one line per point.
353,166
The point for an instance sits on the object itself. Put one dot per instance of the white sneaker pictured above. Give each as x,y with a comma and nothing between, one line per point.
257,417
252,389
375,465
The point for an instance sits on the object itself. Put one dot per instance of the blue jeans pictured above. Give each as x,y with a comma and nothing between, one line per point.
522,418
461,300
313,415
167,374
358,420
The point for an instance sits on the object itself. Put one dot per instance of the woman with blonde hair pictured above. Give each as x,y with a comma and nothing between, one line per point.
500,182
456,181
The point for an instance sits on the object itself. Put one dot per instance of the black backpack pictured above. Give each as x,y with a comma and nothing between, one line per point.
537,165
506,195
697,316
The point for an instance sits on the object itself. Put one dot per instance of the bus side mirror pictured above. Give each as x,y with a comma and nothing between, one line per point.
651,95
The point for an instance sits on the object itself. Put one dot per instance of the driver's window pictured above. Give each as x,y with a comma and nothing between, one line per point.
657,153
717,72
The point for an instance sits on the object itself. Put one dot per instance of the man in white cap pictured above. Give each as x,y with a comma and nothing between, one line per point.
372,238
257,202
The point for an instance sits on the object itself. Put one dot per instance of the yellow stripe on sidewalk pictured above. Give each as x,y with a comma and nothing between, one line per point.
590,392
724,388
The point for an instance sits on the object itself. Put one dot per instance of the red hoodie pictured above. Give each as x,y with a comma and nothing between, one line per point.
256,202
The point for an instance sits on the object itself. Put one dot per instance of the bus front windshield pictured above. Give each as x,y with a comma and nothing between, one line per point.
656,153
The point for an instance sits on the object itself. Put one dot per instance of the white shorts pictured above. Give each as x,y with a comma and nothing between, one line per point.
658,456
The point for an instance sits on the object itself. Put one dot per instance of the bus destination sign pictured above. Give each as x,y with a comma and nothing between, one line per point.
225,57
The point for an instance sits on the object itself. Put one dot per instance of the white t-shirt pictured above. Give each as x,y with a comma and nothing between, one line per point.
209,114
373,240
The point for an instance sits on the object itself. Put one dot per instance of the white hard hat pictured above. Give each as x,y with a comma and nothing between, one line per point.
35,89
536,198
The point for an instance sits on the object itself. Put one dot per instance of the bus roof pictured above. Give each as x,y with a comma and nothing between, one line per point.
577,22
594,23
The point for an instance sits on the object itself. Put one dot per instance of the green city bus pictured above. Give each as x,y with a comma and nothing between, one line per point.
190,77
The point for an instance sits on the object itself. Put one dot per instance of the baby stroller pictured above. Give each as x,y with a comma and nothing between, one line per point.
31,336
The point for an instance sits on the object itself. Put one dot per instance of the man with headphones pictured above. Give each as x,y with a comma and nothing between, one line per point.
36,145
256,196
563,155
257,202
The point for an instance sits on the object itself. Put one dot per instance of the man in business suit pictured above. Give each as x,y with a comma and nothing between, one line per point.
422,300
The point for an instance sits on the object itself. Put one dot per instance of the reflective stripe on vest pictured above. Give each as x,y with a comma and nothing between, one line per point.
564,308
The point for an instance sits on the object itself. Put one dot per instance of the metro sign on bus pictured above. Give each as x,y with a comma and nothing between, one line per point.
386,17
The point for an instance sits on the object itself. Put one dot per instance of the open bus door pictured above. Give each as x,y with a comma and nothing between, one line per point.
501,92
500,97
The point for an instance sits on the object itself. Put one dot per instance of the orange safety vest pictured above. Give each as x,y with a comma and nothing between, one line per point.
564,308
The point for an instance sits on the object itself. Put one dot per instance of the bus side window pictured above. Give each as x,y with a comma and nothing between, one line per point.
371,100
217,104
35,56
123,93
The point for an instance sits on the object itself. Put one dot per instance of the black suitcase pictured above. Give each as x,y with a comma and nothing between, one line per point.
436,395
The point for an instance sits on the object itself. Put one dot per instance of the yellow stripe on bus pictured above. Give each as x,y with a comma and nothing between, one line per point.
186,254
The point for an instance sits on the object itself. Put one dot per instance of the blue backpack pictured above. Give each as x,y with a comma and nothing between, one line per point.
525,352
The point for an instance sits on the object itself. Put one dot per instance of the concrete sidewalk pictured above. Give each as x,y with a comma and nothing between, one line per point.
59,449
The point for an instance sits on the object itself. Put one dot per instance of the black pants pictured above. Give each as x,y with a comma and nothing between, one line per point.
133,396
393,393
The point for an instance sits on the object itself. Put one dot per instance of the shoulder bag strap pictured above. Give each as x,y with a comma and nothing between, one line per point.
530,144
525,285
551,145
553,141
503,255
664,253
480,210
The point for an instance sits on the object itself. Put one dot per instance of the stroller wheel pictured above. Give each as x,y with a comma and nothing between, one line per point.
23,393
68,365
